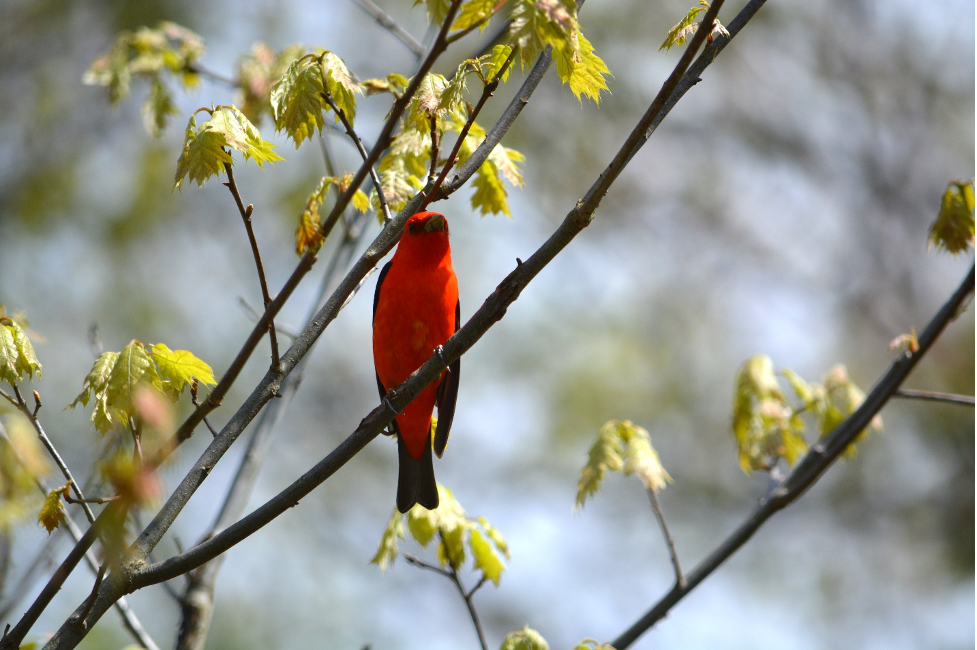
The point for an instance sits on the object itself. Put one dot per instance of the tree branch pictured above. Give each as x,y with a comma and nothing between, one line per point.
669,541
388,23
811,467
246,217
933,396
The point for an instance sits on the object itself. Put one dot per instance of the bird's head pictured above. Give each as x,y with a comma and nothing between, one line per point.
425,237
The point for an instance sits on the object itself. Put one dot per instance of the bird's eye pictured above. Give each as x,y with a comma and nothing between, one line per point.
412,227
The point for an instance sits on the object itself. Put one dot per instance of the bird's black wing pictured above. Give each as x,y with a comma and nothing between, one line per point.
376,300
447,396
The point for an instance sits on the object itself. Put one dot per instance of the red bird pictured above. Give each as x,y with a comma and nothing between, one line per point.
415,310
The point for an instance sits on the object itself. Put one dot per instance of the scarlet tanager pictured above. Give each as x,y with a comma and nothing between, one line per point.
415,310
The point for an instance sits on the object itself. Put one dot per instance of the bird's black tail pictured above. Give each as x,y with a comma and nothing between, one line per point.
415,481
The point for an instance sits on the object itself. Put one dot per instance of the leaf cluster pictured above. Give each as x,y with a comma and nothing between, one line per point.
621,446
117,379
168,51
309,235
687,27
205,147
768,427
17,356
459,536
953,230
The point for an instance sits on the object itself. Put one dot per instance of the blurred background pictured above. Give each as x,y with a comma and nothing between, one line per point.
781,208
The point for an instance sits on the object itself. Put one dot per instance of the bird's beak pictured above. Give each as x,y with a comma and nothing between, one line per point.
437,222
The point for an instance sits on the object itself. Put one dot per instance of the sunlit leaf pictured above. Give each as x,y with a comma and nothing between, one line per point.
953,230
486,557
296,100
340,84
17,355
52,512
582,69
604,455
178,368
472,13
641,459
437,10
524,639
258,72
490,196
22,462
308,234
387,551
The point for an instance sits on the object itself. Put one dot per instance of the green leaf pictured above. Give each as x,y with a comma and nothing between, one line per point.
202,156
486,557
582,69
387,552
133,367
641,459
398,185
437,10
158,108
425,103
953,230
524,639
52,512
591,644
203,152
296,100
604,455
472,13
341,85
494,535
22,461
97,379
257,72
490,194
178,368
16,352
685,28
500,53
538,23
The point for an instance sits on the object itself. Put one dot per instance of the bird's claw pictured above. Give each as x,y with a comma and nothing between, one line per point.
386,402
440,352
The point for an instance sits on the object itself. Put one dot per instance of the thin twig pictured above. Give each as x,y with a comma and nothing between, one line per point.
363,153
246,217
466,596
487,91
669,541
933,396
418,562
256,315
53,452
391,26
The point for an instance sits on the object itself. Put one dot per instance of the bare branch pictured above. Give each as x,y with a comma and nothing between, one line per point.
391,26
933,396
246,217
669,541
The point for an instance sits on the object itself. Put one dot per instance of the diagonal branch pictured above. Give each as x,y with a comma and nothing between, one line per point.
810,469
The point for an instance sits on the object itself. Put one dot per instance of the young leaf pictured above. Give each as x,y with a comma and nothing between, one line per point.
499,55
490,195
97,379
437,10
202,156
641,459
536,24
132,368
341,85
524,639
16,352
203,152
486,558
296,100
178,368
953,230
604,455
591,644
387,551
582,69
308,234
158,108
258,72
472,13
52,512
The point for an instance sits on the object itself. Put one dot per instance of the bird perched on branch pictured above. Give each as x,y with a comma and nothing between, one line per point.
415,310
